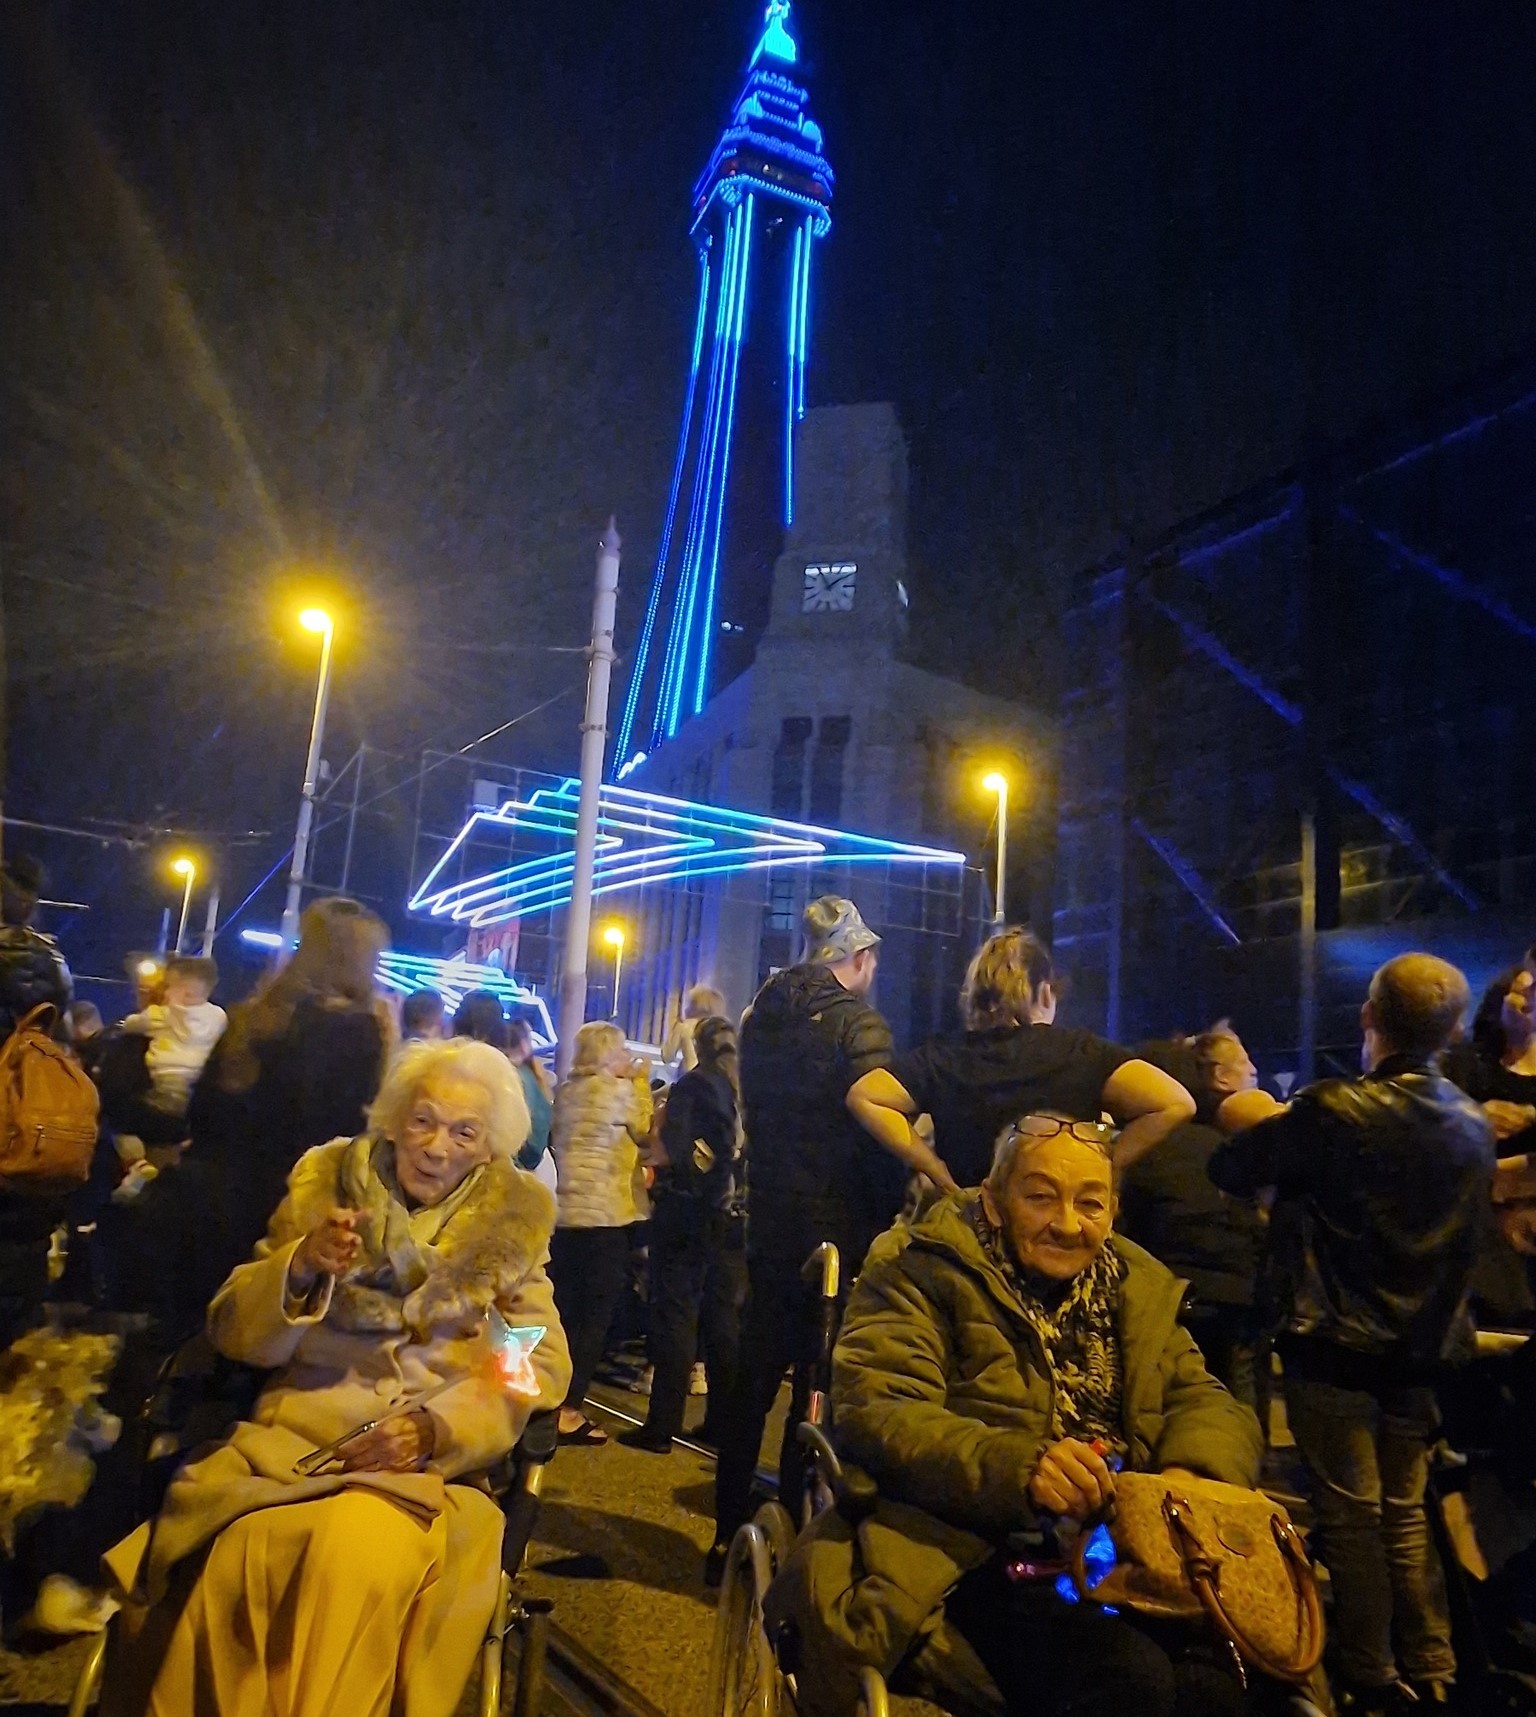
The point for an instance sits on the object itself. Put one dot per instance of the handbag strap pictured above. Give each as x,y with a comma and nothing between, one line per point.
1203,1573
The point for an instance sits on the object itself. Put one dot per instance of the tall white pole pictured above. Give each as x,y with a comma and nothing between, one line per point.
189,876
594,741
211,924
999,911
290,924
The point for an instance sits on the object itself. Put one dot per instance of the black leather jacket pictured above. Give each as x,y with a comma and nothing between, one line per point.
804,1042
1384,1189
32,971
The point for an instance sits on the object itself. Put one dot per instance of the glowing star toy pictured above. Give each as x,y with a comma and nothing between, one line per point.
642,839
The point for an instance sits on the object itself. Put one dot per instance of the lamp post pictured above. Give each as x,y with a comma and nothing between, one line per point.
613,936
187,871
312,620
997,782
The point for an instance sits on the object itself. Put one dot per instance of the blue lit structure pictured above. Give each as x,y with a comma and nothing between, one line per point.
643,839
767,185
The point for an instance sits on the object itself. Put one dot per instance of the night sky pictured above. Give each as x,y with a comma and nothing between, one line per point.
392,302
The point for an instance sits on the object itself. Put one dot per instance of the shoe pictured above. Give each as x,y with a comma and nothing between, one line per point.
698,1383
643,1437
714,1565
65,1607
645,1380
1434,1695
1390,1699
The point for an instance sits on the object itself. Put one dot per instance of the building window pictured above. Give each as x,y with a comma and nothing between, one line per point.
787,794
827,769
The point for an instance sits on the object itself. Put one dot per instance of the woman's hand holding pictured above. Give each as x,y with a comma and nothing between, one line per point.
399,1445
330,1249
1072,1479
1507,1119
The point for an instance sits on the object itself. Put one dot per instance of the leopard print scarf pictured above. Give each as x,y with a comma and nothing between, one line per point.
1079,1334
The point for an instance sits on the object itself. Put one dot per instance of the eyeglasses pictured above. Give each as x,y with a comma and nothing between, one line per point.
1048,1127
424,1125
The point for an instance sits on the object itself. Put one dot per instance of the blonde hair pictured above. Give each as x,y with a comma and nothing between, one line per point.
596,1043
464,1058
1003,979
702,1002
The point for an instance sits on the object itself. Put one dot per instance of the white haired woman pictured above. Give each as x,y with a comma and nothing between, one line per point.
367,1587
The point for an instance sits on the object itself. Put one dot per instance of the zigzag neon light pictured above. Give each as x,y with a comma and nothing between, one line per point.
454,979
642,839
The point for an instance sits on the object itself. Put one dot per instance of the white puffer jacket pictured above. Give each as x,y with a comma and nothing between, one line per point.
599,1119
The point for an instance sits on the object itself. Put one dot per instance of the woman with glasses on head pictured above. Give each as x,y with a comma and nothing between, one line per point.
328,1554
1012,1058
1003,1357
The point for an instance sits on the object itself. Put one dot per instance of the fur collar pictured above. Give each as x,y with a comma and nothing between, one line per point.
483,1253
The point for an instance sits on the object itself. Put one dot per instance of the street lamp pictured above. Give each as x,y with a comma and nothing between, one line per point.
613,936
187,871
312,620
997,782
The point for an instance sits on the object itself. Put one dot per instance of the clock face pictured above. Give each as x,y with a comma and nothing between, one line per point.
829,588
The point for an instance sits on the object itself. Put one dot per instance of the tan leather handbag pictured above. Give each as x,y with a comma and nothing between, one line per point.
1188,1548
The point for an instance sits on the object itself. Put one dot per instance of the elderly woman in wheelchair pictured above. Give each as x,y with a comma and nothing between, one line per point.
1000,1360
332,1554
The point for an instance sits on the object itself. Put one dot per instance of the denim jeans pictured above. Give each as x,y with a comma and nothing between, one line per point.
1368,1455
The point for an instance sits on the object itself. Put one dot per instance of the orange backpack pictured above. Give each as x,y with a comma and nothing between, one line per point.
48,1110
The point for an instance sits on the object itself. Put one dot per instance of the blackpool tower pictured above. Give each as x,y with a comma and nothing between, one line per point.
759,208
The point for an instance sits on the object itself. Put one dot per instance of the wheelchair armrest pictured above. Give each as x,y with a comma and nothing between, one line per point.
540,1439
854,1492
823,1269
520,1499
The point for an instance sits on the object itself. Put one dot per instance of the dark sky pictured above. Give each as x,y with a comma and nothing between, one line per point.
393,299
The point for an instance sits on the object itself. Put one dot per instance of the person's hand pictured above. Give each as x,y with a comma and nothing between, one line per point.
329,1249
1509,1118
400,1445
1517,1223
1071,1479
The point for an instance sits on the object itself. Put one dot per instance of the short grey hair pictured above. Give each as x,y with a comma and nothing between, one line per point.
463,1058
1013,1140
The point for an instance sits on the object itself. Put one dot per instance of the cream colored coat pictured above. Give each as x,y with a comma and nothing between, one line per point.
599,1120
330,1378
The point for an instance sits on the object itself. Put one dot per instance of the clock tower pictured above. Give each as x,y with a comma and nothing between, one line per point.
841,580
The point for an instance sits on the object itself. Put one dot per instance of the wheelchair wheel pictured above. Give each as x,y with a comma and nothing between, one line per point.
744,1676
773,1521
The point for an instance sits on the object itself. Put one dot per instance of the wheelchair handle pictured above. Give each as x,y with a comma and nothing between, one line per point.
854,1491
825,1265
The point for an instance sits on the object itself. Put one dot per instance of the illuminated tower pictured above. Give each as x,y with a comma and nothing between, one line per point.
759,208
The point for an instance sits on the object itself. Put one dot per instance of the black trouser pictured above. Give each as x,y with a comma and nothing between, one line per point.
588,1267
694,1290
776,1332
1051,1658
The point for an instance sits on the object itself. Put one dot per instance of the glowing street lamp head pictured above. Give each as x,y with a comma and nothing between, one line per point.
995,782
184,867
315,620
147,968
614,936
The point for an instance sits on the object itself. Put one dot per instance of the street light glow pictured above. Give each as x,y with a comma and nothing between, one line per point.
315,620
614,936
995,782
184,867
147,968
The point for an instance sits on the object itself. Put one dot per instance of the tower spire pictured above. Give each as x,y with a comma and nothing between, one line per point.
761,204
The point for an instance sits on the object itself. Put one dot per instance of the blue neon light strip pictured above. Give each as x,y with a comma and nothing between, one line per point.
644,838
790,378
707,491
805,316
707,632
659,577
677,639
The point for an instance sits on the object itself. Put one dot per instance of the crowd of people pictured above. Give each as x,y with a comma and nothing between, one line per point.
1062,1260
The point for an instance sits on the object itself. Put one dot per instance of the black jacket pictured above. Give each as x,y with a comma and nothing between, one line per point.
32,971
1384,1187
1168,1205
698,1133
804,1042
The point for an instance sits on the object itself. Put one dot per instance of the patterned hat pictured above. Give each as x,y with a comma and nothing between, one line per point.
834,931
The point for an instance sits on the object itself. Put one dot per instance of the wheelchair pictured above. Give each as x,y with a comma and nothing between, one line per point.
752,1674
199,1395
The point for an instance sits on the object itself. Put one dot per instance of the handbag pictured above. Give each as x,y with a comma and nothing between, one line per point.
1190,1548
